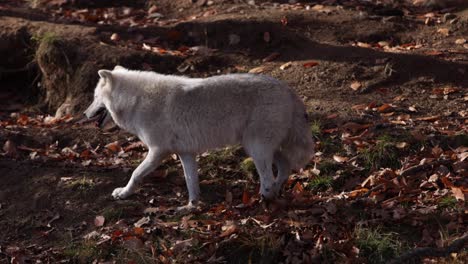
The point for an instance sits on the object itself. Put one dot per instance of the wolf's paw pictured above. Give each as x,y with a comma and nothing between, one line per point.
189,208
120,193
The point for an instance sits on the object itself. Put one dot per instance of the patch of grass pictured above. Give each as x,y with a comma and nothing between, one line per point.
112,213
82,253
248,167
376,245
47,37
320,183
316,128
327,167
382,154
83,184
448,202
329,146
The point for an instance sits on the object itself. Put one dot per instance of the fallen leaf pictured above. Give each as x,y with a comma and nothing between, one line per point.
428,118
298,188
99,220
245,197
443,31
310,64
286,65
340,159
115,37
401,145
458,193
228,230
355,85
384,108
143,221
460,41
138,231
114,146
364,45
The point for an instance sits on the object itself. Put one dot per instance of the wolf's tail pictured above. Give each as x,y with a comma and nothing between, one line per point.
298,146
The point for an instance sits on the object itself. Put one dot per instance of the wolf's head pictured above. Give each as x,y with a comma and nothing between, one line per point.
97,110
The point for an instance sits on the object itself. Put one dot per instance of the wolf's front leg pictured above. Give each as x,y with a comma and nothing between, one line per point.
150,163
189,164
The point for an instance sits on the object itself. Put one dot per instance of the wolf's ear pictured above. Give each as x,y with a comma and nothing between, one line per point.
118,67
105,74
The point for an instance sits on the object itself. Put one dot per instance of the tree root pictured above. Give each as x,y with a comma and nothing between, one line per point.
419,253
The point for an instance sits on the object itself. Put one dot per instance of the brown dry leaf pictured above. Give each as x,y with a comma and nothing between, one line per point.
113,146
364,45
443,31
99,220
437,151
245,197
152,9
446,181
384,108
355,85
355,193
22,120
134,145
259,69
445,90
298,188
460,41
340,159
428,118
402,145
228,230
458,193
310,64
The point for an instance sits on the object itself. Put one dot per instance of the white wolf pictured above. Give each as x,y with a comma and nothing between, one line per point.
186,116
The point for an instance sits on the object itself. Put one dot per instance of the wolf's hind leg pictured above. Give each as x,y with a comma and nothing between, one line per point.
151,162
284,170
189,164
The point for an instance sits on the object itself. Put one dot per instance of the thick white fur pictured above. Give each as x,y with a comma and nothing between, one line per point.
186,116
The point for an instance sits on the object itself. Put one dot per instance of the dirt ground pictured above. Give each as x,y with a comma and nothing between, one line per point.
385,83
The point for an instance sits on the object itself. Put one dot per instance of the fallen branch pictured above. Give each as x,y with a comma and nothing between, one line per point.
418,168
425,252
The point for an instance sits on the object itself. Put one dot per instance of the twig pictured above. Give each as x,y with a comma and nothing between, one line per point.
419,253
418,168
